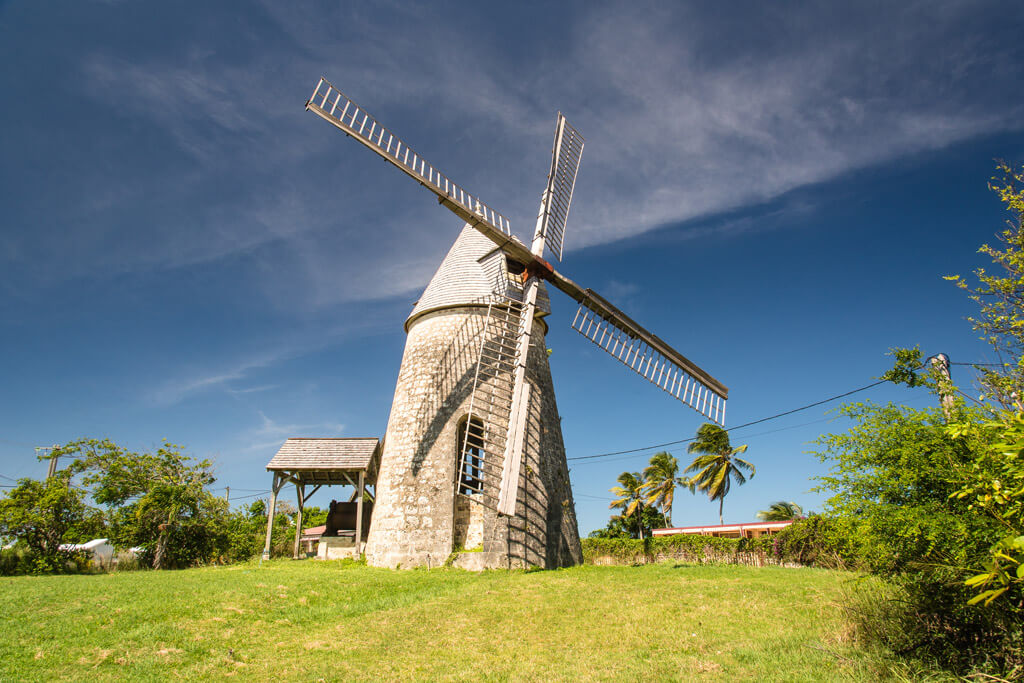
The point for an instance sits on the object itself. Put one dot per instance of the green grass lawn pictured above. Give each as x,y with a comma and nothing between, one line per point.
311,620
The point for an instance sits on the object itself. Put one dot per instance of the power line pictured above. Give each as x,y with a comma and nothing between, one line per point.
254,495
747,436
748,424
776,416
994,365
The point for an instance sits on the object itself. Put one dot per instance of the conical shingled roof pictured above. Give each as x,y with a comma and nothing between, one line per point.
473,271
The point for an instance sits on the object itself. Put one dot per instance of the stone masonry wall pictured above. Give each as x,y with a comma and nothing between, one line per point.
415,511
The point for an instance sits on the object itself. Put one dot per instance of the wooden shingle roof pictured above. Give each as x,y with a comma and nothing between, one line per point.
471,273
306,454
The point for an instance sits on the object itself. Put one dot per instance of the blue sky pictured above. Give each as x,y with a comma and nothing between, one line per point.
776,191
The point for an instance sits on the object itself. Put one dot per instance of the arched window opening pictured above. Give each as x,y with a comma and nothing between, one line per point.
471,455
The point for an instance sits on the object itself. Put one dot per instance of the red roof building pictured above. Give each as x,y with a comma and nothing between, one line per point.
745,530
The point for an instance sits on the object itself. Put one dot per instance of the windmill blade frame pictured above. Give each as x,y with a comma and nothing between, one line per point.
566,153
596,319
653,360
341,111
623,338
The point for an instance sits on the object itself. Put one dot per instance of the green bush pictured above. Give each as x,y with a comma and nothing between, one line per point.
925,616
818,541
22,559
899,511
686,547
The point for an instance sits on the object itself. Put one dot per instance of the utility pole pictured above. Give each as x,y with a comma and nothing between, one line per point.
227,493
940,364
52,468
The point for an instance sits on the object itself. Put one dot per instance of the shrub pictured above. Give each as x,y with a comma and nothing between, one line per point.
685,547
907,507
818,541
926,617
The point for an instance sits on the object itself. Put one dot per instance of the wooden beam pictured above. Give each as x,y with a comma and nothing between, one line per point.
359,517
274,488
299,491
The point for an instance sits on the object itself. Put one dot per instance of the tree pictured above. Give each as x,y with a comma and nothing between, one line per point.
626,527
933,500
781,512
41,513
1000,295
157,495
717,465
896,472
660,480
899,480
630,499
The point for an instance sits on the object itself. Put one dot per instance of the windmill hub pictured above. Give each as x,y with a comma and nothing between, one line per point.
538,268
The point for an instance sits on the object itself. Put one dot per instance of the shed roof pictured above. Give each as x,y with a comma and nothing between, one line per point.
326,455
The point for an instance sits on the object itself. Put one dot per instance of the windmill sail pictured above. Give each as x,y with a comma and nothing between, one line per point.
337,108
484,450
650,357
554,209
565,164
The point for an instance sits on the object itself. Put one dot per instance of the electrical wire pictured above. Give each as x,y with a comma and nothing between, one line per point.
995,365
776,416
748,424
252,495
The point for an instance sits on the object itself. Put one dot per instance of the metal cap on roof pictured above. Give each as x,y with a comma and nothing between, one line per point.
472,272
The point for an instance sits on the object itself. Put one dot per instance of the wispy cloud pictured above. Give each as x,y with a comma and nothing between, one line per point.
271,434
253,390
240,373
703,128
223,379
687,114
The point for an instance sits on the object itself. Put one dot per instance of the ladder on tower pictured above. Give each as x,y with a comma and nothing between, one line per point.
482,439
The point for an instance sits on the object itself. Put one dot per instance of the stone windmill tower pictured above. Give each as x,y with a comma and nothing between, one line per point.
433,486
473,457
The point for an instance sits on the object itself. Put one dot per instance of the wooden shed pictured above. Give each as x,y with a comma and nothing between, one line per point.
316,462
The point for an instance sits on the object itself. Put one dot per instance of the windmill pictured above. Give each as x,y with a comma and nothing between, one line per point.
494,431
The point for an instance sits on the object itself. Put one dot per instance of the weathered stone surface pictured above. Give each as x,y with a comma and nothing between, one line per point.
479,561
336,548
419,518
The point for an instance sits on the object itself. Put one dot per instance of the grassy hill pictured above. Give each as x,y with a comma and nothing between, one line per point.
312,620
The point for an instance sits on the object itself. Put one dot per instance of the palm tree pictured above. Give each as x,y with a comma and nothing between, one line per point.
717,465
629,497
781,512
660,480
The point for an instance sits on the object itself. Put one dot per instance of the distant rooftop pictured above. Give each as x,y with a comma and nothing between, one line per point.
742,529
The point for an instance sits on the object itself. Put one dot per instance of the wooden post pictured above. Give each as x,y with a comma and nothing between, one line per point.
941,365
274,488
359,516
300,489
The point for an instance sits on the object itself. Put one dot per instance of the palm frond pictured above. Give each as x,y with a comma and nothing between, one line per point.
781,512
745,465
